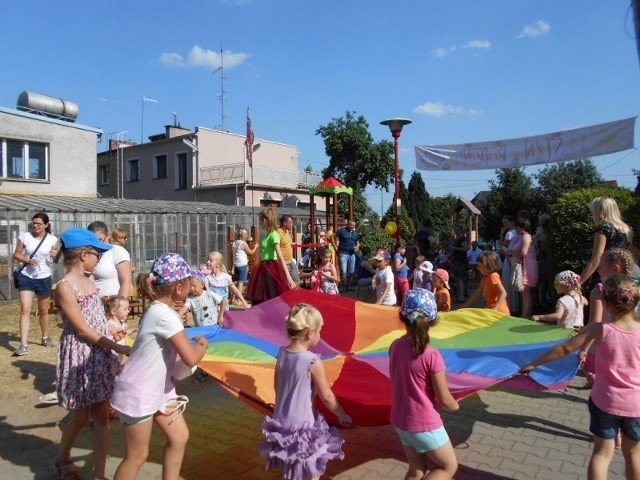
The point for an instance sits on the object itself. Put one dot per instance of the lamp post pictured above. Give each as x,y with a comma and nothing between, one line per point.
144,100
395,125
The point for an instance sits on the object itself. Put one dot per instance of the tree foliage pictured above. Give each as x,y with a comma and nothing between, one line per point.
556,179
354,158
572,226
417,200
407,227
442,216
511,192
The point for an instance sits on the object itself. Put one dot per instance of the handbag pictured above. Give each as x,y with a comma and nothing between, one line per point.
18,270
517,278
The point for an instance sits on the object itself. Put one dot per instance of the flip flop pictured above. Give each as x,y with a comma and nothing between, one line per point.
49,398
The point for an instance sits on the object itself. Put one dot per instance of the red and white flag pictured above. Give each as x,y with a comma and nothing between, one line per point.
249,140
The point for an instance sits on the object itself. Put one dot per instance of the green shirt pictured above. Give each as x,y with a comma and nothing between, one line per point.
268,246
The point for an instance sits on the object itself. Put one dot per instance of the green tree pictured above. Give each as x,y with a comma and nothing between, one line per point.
572,226
407,227
511,192
442,215
354,158
556,179
418,200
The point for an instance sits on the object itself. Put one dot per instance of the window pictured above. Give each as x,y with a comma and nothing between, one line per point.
105,178
24,159
181,171
160,166
133,170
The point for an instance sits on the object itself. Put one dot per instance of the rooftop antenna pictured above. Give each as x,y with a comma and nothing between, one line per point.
223,118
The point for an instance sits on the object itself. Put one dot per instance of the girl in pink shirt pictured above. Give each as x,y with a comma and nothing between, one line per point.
418,389
614,404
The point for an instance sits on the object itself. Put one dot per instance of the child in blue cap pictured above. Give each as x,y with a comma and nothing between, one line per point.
87,365
419,388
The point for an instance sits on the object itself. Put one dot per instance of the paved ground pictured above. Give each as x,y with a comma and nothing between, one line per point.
497,434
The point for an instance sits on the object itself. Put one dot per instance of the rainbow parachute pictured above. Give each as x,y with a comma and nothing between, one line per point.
481,348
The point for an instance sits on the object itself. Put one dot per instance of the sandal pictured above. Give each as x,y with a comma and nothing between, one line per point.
67,470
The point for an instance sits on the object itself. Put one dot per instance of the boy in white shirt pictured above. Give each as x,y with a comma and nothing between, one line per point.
383,279
206,307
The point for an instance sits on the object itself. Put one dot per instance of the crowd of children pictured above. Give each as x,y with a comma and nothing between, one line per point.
296,439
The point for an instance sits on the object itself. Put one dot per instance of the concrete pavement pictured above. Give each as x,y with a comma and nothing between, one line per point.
497,435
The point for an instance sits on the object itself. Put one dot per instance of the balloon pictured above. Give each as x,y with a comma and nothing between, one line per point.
391,227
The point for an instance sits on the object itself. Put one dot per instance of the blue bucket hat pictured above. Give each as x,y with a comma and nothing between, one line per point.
77,237
419,302
170,268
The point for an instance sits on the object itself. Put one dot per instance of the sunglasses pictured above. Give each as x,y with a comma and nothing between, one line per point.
98,255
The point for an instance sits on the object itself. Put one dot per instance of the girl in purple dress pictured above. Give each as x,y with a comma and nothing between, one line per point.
298,440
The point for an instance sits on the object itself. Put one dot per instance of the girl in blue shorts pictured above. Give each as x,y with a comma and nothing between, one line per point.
614,403
418,388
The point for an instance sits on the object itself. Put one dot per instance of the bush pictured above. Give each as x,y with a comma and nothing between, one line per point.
572,227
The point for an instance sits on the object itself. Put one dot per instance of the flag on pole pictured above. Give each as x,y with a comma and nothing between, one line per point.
249,140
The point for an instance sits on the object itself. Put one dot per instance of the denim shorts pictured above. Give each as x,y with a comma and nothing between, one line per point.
606,425
242,273
127,420
40,286
424,441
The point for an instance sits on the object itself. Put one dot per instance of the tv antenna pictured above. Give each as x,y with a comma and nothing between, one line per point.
223,93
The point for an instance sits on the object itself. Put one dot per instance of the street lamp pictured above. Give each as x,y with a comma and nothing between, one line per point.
395,125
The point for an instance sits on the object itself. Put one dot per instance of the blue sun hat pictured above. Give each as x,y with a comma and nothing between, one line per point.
419,302
170,268
77,237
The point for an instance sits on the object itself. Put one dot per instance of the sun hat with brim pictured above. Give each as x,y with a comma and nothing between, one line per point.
444,275
77,237
419,303
170,268
426,267
382,255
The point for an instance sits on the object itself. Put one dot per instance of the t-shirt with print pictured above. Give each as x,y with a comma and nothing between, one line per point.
204,308
385,277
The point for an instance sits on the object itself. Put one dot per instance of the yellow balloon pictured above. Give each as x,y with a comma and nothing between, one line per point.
391,227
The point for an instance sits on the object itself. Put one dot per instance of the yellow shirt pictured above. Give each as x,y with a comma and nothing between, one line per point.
285,245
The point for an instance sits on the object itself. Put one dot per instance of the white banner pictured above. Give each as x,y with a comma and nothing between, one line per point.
519,152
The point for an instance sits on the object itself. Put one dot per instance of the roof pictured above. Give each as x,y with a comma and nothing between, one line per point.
51,204
465,203
330,185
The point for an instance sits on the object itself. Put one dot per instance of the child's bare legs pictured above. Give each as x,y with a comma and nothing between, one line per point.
600,460
76,422
631,453
442,460
136,441
177,434
100,438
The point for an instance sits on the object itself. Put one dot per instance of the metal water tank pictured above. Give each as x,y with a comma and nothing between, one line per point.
49,106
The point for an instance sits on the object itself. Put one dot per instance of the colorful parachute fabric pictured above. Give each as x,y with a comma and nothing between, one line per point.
481,348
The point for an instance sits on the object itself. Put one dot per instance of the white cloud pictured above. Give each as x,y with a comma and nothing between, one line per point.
485,44
535,30
444,51
439,109
199,57
439,52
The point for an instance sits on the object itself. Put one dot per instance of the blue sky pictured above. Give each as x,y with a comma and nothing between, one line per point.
462,71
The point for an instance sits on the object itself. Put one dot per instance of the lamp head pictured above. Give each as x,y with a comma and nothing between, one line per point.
396,124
